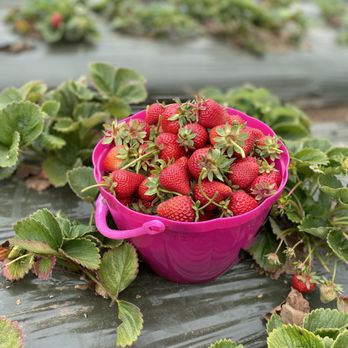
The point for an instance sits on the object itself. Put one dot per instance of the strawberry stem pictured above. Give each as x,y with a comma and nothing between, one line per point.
294,188
211,200
202,173
139,158
334,271
18,258
101,184
170,192
239,148
323,263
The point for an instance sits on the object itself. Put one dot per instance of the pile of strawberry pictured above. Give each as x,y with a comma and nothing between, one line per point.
190,161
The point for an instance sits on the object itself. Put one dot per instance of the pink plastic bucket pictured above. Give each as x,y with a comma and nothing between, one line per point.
192,252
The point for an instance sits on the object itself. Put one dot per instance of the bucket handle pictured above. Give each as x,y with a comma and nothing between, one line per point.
148,228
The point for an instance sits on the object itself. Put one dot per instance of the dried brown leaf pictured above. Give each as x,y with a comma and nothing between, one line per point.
37,183
342,303
292,310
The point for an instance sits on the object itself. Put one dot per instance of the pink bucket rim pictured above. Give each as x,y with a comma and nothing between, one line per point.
267,202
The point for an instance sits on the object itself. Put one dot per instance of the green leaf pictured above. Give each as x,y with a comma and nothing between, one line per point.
50,107
95,119
11,335
329,184
225,343
81,90
9,155
50,142
292,336
66,125
338,243
131,323
85,110
338,153
327,332
321,144
343,197
45,217
325,318
43,267
56,170
80,178
130,86
117,107
30,229
311,157
273,323
8,171
290,131
103,77
16,269
316,226
341,340
264,244
328,342
80,230
33,90
83,252
118,268
10,95
24,117
33,246
275,227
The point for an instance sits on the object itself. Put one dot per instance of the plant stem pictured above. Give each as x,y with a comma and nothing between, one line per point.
18,258
170,192
334,270
238,147
323,263
91,216
279,245
201,189
102,184
294,188
139,158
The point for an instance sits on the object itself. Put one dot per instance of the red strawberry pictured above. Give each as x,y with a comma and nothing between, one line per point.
169,126
268,147
196,161
275,176
175,178
241,203
169,147
179,208
244,171
249,142
182,162
231,119
303,283
126,201
111,162
257,134
263,186
135,127
193,136
210,188
213,134
215,163
125,183
142,189
56,20
209,215
210,113
153,112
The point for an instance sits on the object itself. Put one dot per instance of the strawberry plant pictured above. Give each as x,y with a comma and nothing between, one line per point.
11,335
309,222
44,240
61,125
54,21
